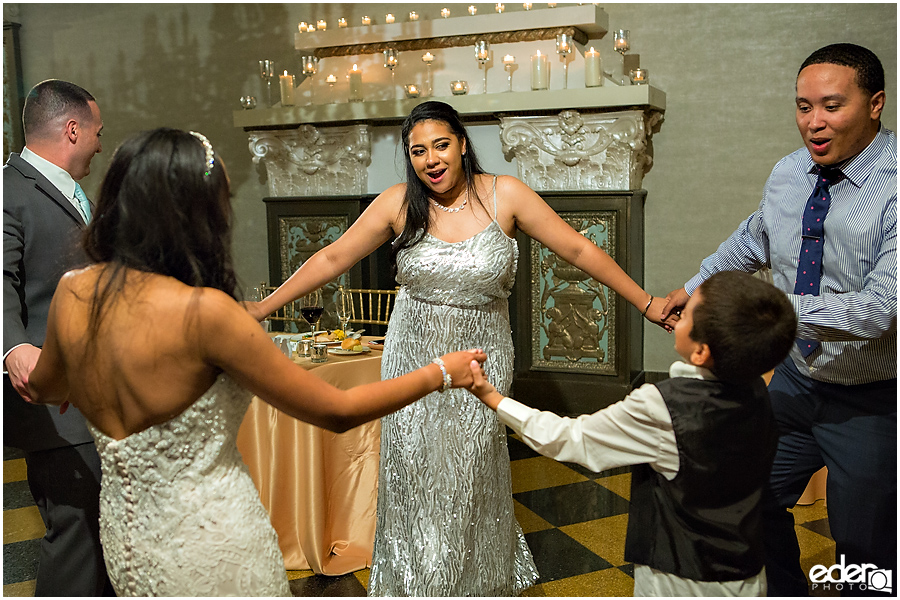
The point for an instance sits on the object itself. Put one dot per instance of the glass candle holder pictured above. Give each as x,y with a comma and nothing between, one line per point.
509,63
321,25
527,5
342,22
639,76
483,55
413,16
472,10
499,7
354,77
302,26
428,58
459,88
367,20
248,102
389,18
445,13
564,48
412,90
620,41
391,60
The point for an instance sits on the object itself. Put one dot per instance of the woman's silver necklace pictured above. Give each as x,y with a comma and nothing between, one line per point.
452,210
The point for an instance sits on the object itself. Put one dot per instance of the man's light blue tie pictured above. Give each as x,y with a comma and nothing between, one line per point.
83,202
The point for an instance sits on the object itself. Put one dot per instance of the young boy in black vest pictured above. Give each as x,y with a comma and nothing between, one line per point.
702,443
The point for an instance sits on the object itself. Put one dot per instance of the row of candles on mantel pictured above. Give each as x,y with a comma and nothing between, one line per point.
322,25
540,70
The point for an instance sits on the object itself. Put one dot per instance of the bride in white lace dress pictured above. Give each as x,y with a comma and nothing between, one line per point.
150,345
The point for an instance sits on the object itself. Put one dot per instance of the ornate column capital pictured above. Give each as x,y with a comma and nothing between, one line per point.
574,151
314,161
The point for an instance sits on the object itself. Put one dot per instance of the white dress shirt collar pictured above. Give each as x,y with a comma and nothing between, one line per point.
55,174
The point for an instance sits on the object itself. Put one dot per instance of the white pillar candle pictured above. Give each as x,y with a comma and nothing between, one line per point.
540,72
354,75
593,68
287,89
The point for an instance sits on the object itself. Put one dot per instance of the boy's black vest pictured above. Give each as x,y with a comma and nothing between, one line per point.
705,524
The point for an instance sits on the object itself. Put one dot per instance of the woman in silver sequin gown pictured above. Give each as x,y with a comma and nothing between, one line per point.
162,361
445,524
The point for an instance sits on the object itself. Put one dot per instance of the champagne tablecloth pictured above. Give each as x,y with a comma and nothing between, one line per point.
320,488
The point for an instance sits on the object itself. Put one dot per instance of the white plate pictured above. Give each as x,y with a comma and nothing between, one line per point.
342,352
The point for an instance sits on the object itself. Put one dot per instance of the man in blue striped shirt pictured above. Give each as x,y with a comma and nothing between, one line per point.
836,407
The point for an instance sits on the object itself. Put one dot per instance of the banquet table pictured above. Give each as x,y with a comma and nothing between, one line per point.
319,487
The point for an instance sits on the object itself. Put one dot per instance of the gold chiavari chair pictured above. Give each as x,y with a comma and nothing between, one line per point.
287,314
371,307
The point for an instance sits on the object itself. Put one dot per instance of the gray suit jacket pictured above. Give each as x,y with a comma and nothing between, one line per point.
41,241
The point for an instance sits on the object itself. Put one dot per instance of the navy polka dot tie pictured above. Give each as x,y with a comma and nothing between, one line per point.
812,242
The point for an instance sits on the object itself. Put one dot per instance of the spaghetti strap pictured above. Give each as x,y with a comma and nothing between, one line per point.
495,197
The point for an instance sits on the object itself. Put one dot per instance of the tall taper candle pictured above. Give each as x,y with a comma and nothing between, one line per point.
540,72
287,89
354,75
593,73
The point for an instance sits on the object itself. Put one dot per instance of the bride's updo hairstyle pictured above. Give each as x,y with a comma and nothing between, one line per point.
418,206
163,208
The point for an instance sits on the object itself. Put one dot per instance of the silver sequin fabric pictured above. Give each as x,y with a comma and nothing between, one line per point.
179,514
445,524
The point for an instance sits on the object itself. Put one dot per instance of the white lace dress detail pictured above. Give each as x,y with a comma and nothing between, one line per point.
179,514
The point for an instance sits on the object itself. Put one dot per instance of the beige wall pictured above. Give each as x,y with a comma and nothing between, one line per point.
728,71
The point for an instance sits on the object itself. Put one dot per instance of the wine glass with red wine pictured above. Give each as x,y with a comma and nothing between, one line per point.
311,308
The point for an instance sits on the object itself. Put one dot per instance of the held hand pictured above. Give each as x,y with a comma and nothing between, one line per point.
654,314
457,365
19,364
482,388
676,300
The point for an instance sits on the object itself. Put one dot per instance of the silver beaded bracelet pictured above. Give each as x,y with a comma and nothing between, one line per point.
448,381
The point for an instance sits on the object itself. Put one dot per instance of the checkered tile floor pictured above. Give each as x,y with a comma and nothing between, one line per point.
574,521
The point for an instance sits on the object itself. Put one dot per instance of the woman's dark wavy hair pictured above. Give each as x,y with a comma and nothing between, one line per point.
418,207
157,212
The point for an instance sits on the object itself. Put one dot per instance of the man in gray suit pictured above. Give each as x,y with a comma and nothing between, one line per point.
44,213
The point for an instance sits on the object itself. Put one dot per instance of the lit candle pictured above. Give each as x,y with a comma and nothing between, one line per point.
302,26
428,58
320,25
620,43
526,5
331,79
342,22
367,20
593,74
310,28
551,5
445,12
389,18
499,7
540,72
354,75
509,59
412,90
413,16
287,89
472,10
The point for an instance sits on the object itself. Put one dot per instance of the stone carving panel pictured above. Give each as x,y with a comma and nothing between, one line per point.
574,151
300,238
573,315
314,161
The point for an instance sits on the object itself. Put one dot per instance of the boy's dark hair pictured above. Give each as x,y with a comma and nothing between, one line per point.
748,324
869,72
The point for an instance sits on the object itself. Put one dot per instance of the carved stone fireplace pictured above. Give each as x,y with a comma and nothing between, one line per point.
584,150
